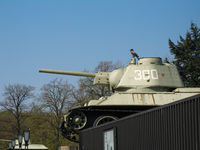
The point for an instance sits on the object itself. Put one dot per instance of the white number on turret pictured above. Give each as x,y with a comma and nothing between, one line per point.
154,74
146,74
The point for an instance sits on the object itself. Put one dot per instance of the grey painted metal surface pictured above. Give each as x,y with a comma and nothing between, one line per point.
174,126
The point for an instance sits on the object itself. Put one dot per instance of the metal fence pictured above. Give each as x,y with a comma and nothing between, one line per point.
175,126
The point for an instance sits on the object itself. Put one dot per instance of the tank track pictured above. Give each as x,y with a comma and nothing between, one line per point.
70,130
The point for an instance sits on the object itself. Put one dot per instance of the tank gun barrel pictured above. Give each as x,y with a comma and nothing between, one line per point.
85,74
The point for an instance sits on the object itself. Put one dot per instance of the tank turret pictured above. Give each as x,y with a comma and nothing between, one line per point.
148,73
137,87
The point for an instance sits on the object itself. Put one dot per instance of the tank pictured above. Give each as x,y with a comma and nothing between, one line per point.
139,86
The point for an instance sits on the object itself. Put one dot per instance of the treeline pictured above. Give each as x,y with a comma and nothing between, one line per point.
41,131
186,53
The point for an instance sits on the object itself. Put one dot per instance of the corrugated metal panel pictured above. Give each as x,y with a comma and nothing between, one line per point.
175,126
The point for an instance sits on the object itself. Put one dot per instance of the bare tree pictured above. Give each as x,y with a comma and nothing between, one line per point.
80,95
55,97
88,91
15,98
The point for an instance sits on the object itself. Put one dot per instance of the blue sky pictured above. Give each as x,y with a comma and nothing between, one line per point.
77,35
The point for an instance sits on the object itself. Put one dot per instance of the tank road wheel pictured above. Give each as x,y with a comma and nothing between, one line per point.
68,133
103,119
76,120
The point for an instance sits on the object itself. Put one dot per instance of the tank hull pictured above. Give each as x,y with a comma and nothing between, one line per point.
116,106
146,98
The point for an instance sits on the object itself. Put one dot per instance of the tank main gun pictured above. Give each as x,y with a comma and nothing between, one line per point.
85,74
100,78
